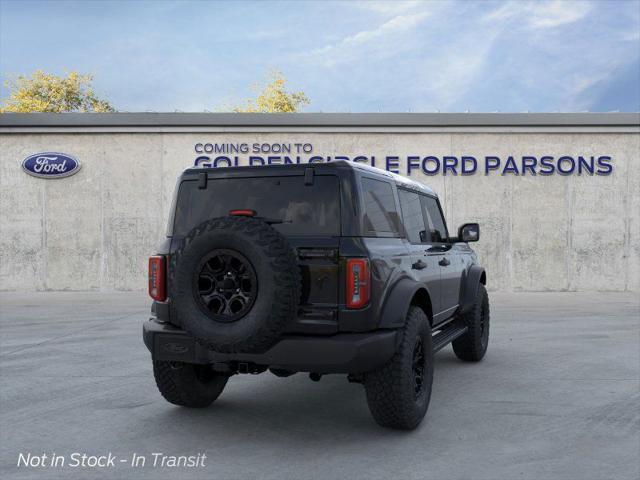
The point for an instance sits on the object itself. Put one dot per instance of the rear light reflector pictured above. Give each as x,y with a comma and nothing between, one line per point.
157,278
358,282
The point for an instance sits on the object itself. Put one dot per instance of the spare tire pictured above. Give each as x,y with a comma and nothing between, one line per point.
235,284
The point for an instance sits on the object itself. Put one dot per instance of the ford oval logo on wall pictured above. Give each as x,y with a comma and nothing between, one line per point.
50,165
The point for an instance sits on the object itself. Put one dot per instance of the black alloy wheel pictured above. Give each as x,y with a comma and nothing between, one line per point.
225,285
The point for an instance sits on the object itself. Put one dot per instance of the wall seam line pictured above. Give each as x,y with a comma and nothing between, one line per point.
510,253
626,249
45,247
570,254
103,256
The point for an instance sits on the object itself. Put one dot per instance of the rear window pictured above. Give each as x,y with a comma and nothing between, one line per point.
381,216
412,216
304,209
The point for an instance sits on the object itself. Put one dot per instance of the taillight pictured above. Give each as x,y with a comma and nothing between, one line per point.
157,278
358,282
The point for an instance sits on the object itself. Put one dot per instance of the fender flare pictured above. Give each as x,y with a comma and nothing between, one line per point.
470,287
395,309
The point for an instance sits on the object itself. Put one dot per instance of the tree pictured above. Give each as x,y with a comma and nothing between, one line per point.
44,92
275,99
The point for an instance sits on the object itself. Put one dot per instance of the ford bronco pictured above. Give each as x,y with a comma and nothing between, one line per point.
320,268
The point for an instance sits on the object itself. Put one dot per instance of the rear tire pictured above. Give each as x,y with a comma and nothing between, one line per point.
398,394
188,385
472,346
264,256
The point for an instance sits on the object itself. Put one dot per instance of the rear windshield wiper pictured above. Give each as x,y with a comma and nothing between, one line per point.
272,221
253,214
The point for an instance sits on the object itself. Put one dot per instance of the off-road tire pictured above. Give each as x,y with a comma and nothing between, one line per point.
188,385
390,391
278,284
472,346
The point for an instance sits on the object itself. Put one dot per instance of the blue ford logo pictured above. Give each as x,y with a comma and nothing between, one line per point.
50,165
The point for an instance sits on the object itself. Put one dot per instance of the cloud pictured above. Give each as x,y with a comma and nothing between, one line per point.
631,36
384,40
353,56
401,23
389,7
554,14
511,56
435,66
549,62
541,15
619,90
457,68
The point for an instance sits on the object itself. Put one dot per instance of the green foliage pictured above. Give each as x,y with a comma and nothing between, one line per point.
274,98
44,92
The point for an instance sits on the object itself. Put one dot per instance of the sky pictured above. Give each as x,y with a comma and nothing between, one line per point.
349,56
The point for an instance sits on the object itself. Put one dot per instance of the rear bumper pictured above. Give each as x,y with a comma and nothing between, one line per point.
340,353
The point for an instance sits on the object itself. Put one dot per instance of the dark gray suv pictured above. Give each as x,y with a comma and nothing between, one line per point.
321,268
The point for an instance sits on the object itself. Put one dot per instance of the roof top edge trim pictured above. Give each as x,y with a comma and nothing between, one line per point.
319,120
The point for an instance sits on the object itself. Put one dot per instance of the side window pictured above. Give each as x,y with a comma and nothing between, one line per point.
380,215
412,216
437,227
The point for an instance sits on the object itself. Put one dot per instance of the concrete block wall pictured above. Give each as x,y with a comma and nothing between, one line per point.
95,230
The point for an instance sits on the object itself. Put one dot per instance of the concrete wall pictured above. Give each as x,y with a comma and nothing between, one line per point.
94,230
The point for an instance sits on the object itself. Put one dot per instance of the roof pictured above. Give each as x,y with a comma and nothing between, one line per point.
399,179
10,122
272,169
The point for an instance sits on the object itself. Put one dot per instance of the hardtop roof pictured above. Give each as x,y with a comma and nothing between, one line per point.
398,179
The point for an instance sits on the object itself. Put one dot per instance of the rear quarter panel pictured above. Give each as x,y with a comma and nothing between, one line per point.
389,260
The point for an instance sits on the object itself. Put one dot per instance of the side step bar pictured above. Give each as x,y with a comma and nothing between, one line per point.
447,335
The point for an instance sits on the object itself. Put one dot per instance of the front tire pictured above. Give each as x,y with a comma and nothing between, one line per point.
188,385
398,394
472,346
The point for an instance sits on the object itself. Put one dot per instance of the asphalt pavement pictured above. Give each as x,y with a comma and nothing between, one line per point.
557,397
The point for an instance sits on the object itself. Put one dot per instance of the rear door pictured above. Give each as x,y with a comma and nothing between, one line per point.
424,267
383,242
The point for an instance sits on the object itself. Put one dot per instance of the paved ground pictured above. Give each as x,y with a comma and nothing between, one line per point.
557,397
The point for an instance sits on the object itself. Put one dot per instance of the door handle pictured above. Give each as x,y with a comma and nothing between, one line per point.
419,265
444,262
